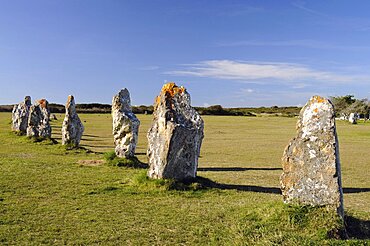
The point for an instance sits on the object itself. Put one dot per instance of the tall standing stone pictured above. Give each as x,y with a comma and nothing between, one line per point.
38,121
20,115
352,118
125,125
175,137
72,128
311,166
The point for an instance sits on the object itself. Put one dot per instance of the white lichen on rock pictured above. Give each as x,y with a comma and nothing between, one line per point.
125,125
20,114
38,121
311,165
175,137
352,118
72,128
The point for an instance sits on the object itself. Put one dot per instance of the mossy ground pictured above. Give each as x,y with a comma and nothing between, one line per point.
47,197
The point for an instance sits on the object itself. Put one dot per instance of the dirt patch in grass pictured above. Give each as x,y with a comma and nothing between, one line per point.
91,163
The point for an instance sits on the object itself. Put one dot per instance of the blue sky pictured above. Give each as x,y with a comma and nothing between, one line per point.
233,53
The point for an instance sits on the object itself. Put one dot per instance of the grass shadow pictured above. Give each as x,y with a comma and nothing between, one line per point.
357,228
237,169
355,190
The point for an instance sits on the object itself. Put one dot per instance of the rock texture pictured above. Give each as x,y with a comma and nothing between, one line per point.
38,121
125,125
175,137
352,118
20,115
72,128
311,164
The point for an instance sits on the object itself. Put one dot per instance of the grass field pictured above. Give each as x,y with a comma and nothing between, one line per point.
52,196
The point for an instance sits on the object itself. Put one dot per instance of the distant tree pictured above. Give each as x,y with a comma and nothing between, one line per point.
344,105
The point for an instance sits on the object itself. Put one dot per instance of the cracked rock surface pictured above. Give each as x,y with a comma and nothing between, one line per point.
20,114
125,125
311,166
38,121
72,128
175,137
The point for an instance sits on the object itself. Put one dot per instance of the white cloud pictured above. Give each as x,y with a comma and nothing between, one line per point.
261,72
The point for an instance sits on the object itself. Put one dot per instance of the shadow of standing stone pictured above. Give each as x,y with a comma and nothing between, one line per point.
311,166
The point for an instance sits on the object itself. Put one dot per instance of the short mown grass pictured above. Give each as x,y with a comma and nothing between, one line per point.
47,197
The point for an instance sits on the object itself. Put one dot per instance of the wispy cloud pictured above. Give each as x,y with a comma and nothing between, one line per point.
306,43
262,72
353,23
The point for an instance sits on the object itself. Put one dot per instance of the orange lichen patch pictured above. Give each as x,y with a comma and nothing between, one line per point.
172,89
43,103
318,99
316,110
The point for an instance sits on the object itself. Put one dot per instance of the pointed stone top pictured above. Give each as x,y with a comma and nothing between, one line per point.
169,91
27,100
43,103
70,105
316,115
122,100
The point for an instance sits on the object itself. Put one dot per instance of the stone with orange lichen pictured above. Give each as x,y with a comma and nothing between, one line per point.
175,137
72,128
311,166
38,121
125,125
20,114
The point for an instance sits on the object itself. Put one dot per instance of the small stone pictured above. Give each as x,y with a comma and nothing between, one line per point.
53,117
175,137
38,121
72,128
352,118
311,165
20,115
125,125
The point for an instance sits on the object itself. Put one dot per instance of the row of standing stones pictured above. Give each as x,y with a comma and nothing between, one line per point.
311,166
34,121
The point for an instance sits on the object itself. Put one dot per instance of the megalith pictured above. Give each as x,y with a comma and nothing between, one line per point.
72,128
125,125
38,121
352,118
20,114
175,137
311,166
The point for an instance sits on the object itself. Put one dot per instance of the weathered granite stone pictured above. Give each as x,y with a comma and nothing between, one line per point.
311,166
72,128
20,115
125,125
175,137
352,118
38,121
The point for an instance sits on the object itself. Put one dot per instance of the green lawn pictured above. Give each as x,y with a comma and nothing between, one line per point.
48,197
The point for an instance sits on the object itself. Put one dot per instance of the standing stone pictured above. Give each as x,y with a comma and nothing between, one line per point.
175,137
352,118
72,128
125,125
311,164
38,121
20,115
